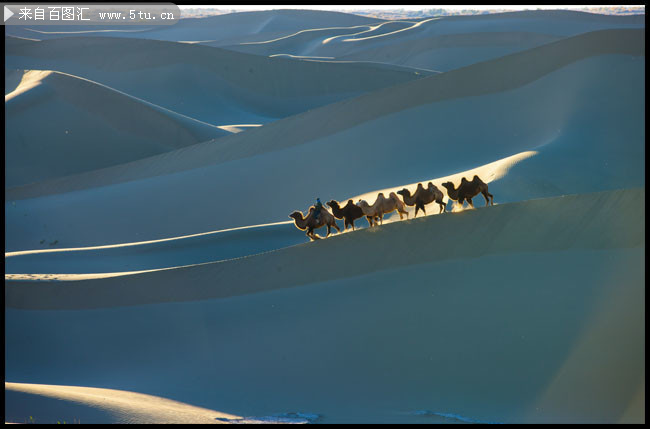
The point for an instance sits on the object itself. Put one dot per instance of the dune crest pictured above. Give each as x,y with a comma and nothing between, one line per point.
516,227
488,173
153,274
90,126
121,406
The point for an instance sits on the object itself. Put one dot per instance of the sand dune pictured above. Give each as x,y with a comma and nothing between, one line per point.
114,406
493,97
410,295
205,247
441,43
440,52
174,288
89,126
514,227
165,253
480,346
213,85
221,27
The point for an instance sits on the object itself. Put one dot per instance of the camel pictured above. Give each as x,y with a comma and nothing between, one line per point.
308,223
382,206
468,190
437,196
422,196
349,213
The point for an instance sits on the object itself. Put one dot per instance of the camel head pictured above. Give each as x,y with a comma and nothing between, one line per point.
297,215
333,204
404,192
363,203
449,186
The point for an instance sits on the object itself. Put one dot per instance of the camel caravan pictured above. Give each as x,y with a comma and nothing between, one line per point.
319,216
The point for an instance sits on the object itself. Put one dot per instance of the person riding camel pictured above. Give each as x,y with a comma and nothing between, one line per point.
317,208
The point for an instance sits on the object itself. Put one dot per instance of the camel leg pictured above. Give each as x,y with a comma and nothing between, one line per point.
491,198
381,219
336,226
352,222
443,207
424,211
329,230
416,211
469,201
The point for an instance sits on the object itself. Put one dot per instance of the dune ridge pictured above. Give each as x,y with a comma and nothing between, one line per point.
163,289
91,126
224,86
213,245
492,76
439,43
601,220
221,27
122,406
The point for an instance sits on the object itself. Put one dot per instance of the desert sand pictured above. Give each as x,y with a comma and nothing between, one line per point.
152,274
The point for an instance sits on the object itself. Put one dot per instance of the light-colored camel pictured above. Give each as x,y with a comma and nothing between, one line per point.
382,206
437,196
468,190
310,224
422,196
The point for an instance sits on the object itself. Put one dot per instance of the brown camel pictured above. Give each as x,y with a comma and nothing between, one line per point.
349,213
325,219
382,206
468,190
422,196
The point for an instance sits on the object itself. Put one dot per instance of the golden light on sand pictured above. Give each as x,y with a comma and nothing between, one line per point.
488,173
123,405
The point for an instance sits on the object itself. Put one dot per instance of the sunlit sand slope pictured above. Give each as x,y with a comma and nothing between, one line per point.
172,252
59,125
585,102
91,405
611,219
214,85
